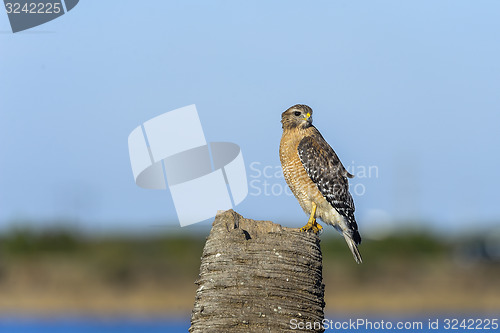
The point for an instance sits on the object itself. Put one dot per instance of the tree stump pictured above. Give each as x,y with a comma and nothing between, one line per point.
257,276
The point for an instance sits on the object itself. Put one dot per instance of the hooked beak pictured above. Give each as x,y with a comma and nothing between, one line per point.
308,117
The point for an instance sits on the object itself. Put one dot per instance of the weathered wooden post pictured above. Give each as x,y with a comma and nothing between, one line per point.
257,276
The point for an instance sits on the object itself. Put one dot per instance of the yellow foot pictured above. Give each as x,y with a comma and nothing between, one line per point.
312,226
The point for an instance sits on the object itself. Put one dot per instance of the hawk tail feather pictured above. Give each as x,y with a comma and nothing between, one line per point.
356,237
354,248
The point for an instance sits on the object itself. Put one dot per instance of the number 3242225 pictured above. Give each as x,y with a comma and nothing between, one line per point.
471,324
33,8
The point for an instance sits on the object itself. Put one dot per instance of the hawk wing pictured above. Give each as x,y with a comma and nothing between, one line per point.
325,169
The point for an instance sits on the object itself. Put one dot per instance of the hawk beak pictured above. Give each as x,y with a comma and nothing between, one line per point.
308,117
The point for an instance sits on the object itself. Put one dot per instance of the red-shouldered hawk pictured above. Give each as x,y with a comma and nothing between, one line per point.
316,176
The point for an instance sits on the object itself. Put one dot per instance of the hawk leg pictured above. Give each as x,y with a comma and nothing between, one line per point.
312,224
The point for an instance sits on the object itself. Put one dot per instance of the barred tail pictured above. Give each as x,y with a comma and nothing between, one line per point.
354,248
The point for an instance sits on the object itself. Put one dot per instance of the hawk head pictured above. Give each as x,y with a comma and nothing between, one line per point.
297,116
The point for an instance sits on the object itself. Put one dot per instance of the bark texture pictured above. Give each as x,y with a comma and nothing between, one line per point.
257,276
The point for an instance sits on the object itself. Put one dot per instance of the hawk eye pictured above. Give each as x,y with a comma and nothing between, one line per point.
296,113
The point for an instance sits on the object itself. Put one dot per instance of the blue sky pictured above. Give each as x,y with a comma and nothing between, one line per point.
408,90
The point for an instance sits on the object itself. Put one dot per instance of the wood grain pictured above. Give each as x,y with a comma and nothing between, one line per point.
256,276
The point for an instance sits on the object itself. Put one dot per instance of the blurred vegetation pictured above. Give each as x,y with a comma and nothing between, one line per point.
113,259
121,259
157,271
19,243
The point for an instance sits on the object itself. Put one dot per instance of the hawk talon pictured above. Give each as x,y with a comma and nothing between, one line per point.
305,228
312,226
